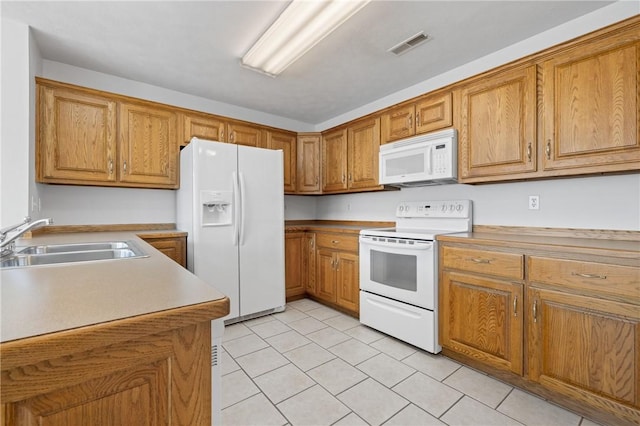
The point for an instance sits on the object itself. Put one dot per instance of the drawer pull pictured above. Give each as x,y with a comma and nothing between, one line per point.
600,277
479,260
335,241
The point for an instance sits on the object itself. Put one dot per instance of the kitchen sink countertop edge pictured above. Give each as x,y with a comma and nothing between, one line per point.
41,300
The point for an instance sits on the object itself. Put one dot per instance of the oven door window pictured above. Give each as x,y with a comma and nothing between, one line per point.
394,270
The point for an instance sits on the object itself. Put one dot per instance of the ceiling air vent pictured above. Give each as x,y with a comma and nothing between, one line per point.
408,44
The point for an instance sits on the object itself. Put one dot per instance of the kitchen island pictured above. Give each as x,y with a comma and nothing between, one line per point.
124,341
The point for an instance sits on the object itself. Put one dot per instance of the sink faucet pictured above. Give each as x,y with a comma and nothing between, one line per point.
7,247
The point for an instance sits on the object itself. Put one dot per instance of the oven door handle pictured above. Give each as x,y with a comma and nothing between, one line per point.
417,245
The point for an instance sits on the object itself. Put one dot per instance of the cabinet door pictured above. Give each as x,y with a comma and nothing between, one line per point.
348,281
287,143
295,251
326,276
308,176
398,123
585,347
310,265
363,145
76,136
591,108
148,146
244,134
434,113
482,318
202,126
334,161
174,248
498,126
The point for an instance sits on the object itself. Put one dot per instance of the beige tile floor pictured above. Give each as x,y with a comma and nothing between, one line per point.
312,365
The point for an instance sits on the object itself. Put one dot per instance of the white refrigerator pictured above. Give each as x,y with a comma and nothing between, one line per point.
231,202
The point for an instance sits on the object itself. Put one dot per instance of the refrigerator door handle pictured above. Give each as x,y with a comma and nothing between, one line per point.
236,206
242,207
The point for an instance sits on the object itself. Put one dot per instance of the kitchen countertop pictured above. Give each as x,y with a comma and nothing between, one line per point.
334,226
48,299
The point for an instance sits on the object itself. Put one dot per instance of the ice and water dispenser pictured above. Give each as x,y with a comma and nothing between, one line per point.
217,207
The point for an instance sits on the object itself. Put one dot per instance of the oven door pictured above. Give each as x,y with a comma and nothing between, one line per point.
400,269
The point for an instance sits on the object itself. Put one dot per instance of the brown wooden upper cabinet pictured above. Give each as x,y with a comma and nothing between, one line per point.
498,125
591,107
86,137
245,134
350,157
203,126
429,113
308,164
148,148
286,141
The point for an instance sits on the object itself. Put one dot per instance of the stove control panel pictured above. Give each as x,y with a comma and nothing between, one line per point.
440,209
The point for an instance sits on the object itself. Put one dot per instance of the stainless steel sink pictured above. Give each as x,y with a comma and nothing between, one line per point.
69,253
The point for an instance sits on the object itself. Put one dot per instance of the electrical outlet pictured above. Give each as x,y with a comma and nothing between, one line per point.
534,202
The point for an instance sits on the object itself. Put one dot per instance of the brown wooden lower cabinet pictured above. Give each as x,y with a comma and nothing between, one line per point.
172,247
324,266
568,328
137,371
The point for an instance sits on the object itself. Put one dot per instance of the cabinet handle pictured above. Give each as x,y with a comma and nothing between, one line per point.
221,135
316,180
350,178
343,178
333,264
547,150
600,277
478,260
535,311
124,167
231,136
410,121
515,306
110,166
337,264
312,243
529,152
335,241
417,118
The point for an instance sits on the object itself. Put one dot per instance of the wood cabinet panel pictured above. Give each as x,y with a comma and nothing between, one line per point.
337,241
434,112
310,265
148,148
308,164
175,248
498,125
286,142
363,145
348,281
398,123
586,347
325,282
482,318
202,126
244,134
507,265
334,161
591,109
77,136
296,251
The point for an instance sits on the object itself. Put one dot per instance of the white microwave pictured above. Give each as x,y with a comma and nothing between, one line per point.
429,159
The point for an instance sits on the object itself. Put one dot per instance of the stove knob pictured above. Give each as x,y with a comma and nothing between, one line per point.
401,208
443,207
451,207
459,207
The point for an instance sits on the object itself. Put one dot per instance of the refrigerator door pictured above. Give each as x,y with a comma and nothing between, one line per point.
261,230
215,254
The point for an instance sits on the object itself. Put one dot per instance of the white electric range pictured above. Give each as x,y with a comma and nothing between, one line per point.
399,270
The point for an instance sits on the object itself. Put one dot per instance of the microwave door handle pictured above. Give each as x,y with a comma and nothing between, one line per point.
429,160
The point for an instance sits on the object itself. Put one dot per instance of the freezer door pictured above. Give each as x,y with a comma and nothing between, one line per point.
261,229
215,256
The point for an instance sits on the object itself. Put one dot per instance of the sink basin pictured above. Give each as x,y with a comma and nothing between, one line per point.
66,248
69,253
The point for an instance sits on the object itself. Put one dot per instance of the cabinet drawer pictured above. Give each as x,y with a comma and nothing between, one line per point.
615,280
337,241
509,265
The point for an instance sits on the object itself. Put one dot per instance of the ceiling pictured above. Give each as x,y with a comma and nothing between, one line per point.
195,47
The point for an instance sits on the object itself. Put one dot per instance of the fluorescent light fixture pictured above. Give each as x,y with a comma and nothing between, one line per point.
300,27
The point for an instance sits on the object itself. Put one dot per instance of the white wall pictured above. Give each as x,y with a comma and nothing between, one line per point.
300,207
15,121
597,202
